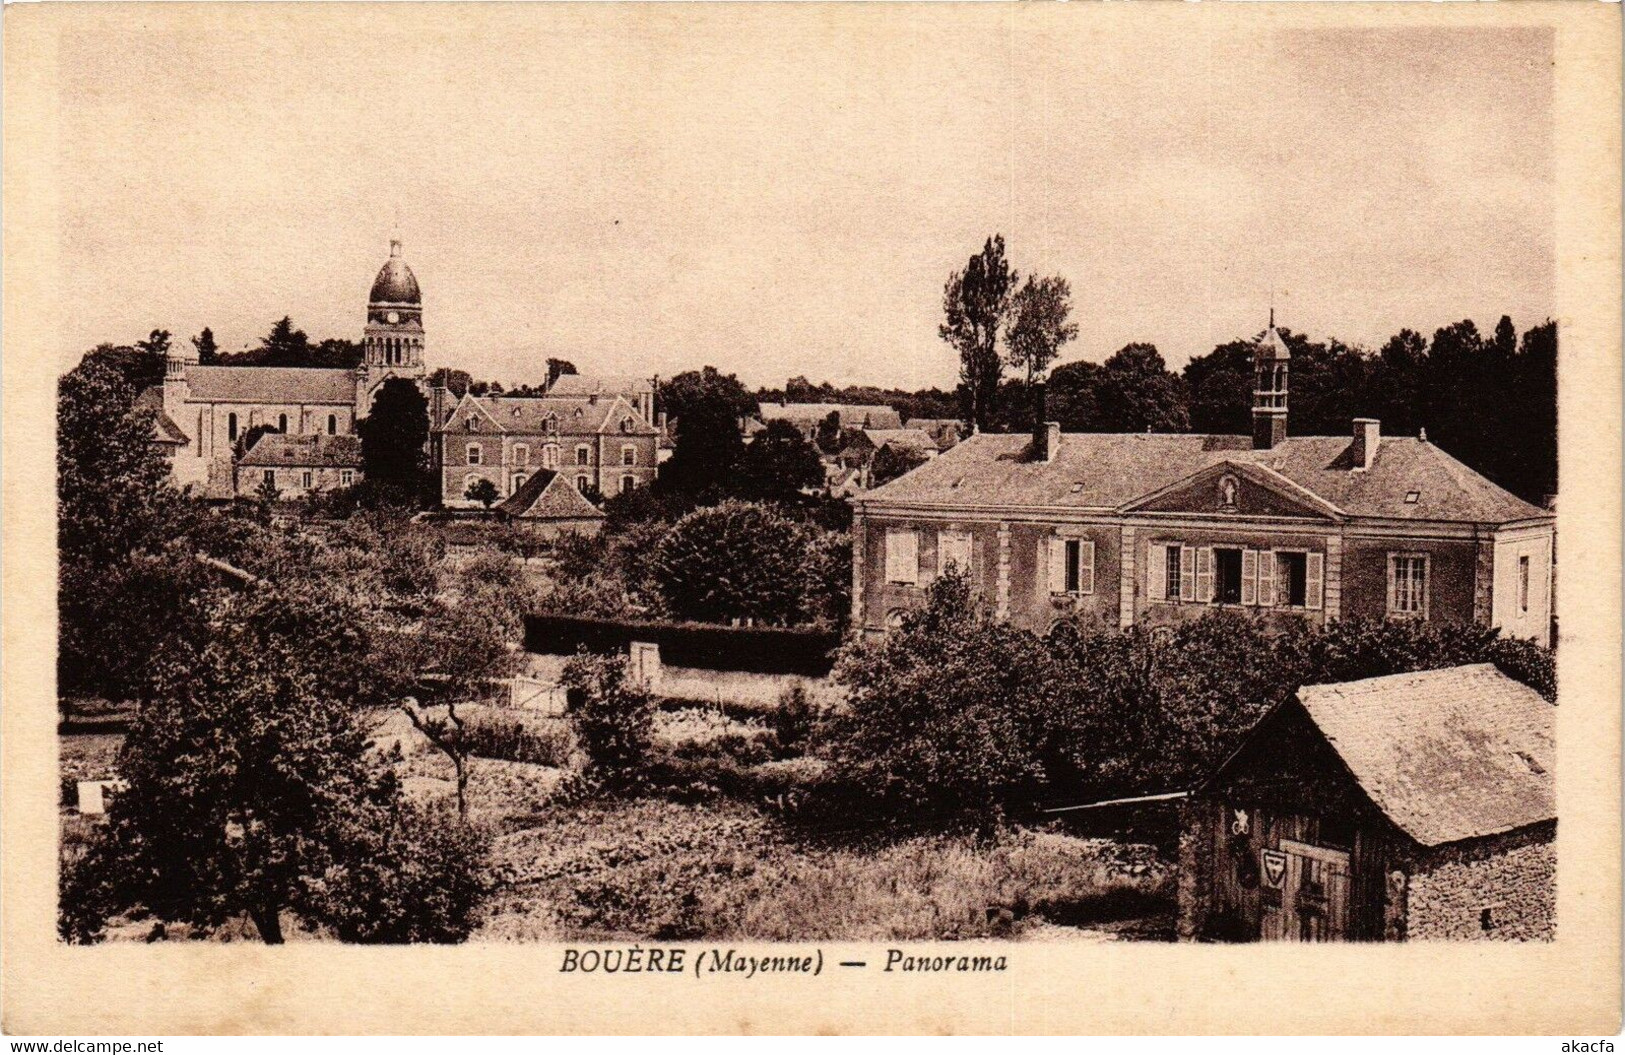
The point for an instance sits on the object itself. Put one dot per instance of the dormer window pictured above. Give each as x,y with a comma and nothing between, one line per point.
1411,497
473,423
626,424
578,412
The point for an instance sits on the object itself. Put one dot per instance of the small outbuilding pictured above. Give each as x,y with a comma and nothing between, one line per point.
548,505
1412,806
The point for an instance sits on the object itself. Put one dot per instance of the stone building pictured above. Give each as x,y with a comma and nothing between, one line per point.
299,465
203,411
809,417
596,443
548,505
1414,806
1112,530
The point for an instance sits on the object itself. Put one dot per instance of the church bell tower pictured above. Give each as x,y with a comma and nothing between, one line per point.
1271,361
393,339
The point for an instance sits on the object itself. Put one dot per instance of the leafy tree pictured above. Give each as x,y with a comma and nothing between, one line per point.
778,464
613,718
830,436
1136,393
284,345
246,441
111,480
1221,385
246,772
940,716
138,366
975,304
454,381
893,460
394,437
734,561
1072,396
1039,325
156,345
208,353
482,491
557,368
707,406
267,492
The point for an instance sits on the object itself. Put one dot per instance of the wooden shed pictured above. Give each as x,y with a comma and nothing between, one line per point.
1410,806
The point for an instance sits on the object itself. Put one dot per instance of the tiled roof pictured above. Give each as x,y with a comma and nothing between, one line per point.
914,439
853,415
945,431
270,384
164,429
309,450
524,415
1445,754
548,496
600,385
1103,471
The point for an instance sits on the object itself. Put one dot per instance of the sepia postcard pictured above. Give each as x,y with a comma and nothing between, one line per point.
811,518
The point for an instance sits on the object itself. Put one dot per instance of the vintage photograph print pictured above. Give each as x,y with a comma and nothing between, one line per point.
821,492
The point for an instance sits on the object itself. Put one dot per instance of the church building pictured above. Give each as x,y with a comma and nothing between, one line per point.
206,411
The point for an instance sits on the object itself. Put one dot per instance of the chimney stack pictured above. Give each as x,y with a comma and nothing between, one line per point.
1046,440
1367,434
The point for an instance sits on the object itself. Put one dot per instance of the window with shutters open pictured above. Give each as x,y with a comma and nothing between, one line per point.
1071,566
902,557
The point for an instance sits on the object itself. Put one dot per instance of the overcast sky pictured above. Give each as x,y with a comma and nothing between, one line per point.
782,192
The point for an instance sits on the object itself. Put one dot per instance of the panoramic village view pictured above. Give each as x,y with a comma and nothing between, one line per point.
356,646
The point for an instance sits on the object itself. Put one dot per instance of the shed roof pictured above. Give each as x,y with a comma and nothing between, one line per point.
548,496
1447,755
1103,471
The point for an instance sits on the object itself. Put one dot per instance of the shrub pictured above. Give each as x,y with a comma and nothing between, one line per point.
613,720
496,735
419,882
794,720
940,716
737,560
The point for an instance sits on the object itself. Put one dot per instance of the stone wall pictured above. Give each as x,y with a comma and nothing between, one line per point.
1511,878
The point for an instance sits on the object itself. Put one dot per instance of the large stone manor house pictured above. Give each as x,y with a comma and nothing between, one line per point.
596,431
1059,530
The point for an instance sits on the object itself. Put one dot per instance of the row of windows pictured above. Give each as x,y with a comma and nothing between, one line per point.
550,424
1181,574
281,425
628,482
307,478
550,455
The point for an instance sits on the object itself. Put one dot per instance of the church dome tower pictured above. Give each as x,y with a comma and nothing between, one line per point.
393,339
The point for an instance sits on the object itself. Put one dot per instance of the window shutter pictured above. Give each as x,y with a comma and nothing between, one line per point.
1086,566
1156,571
902,559
1057,565
1393,585
1266,578
1204,574
1187,573
1249,576
1314,572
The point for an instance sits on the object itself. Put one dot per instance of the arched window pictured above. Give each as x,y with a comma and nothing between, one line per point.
332,424
282,423
231,426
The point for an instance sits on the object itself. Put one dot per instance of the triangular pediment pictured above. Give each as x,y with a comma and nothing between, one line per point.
1236,488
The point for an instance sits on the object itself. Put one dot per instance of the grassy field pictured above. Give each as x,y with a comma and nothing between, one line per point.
723,868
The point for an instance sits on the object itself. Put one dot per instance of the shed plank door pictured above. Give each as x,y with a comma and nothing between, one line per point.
1315,898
